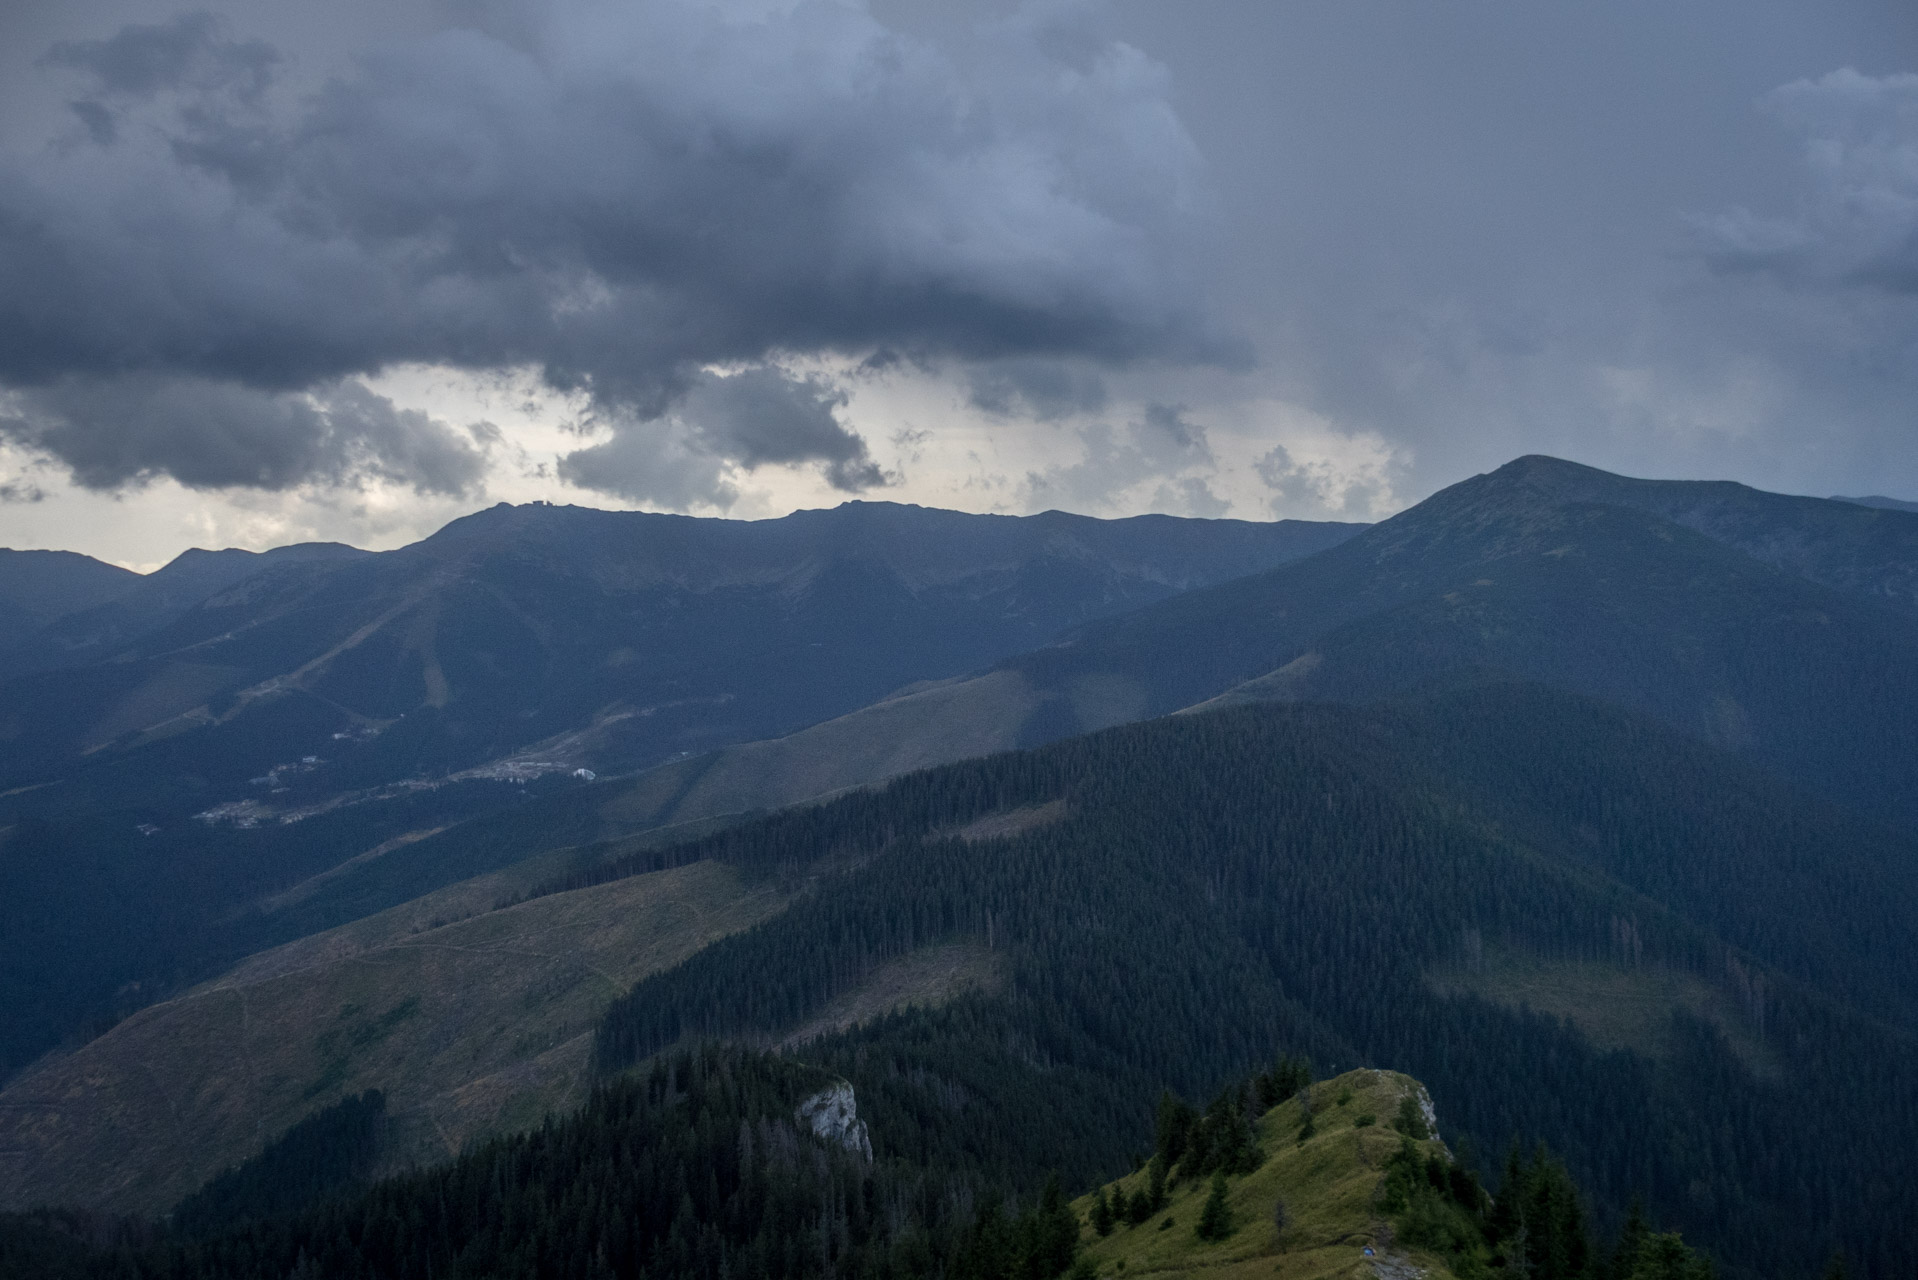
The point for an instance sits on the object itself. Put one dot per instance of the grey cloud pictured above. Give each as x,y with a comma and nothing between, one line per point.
1457,230
649,461
207,435
761,415
1162,443
187,52
1174,437
1858,224
1044,389
616,194
98,121
1313,488
754,417
21,492
1190,496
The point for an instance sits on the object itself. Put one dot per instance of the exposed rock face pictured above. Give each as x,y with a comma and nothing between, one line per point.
1429,1111
833,1115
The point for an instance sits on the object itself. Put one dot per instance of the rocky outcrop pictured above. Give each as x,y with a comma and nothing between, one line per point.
833,1114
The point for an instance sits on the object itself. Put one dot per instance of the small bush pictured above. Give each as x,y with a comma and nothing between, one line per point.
1365,1120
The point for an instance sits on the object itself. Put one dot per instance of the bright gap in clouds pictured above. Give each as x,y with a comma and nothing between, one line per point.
931,443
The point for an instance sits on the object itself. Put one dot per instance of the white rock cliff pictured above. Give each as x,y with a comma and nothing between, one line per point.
832,1114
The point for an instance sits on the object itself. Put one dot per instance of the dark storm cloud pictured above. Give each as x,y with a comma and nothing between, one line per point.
209,434
619,195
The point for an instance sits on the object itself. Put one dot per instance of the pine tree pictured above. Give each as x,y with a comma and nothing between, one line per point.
1102,1215
1155,1183
1215,1220
1173,1128
1631,1239
1411,1119
1058,1231
1666,1257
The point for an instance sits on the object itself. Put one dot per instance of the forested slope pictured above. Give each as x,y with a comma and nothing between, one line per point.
1303,876
711,1165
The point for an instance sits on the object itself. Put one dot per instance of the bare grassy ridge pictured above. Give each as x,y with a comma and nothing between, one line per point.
926,978
1616,1007
1329,1184
914,729
471,1028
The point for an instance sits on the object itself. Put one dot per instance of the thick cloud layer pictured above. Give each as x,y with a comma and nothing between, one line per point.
621,195
210,434
1859,222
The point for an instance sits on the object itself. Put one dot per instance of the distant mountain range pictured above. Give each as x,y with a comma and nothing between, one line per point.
1779,626
515,644
649,634
1879,500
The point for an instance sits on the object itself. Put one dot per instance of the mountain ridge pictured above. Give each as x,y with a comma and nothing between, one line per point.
1198,646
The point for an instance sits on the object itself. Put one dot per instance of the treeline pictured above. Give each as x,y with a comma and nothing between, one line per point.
1293,875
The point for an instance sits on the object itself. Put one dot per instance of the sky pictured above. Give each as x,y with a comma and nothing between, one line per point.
276,272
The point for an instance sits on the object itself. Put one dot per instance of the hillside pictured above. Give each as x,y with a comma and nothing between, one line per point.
1573,923
245,723
95,625
724,1162
1390,884
36,587
471,1027
1008,957
1331,1187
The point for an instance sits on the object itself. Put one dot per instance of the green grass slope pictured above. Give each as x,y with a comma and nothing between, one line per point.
1330,1185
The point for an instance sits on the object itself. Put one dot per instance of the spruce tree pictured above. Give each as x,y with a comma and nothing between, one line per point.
1215,1220
1631,1239
1155,1183
1057,1230
1411,1119
1102,1215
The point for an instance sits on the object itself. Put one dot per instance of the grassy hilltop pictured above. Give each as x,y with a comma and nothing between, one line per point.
1331,1185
